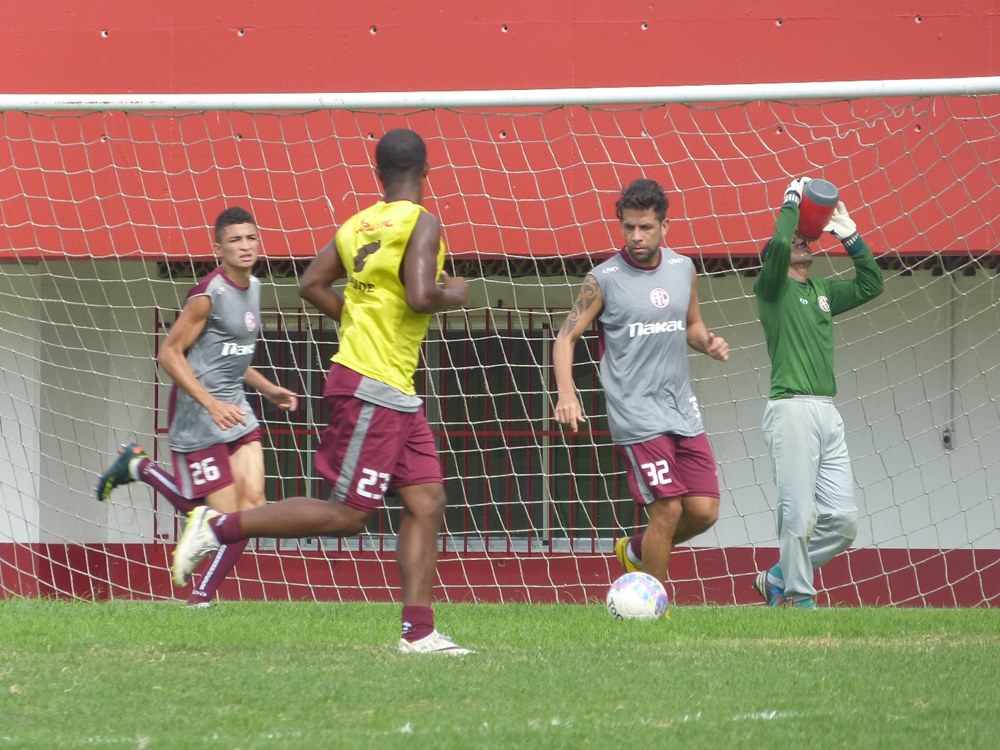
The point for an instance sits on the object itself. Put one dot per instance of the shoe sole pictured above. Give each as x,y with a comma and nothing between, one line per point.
458,651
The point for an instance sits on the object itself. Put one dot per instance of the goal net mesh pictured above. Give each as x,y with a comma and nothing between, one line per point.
106,218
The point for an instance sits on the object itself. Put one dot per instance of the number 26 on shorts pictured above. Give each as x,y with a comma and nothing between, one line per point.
204,471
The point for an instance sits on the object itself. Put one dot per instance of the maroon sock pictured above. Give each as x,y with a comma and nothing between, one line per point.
223,562
418,622
635,544
227,528
152,474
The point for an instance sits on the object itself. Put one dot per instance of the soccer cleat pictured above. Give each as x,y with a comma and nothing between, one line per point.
196,543
773,595
118,473
805,603
435,643
621,552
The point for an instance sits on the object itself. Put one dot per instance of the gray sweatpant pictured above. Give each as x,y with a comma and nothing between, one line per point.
817,513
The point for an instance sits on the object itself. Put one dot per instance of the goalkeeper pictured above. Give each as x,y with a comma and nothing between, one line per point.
804,432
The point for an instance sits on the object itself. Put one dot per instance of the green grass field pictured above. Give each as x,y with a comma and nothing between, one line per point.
301,675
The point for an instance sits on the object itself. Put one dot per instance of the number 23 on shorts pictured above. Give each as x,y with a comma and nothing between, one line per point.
373,484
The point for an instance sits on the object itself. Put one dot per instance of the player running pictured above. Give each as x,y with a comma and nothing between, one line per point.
378,437
214,435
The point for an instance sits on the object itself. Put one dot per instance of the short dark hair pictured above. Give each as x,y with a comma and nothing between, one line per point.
400,153
232,215
643,194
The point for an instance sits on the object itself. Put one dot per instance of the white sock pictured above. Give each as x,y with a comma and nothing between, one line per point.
133,468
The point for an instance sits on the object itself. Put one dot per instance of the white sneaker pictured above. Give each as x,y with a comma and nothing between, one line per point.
435,643
196,543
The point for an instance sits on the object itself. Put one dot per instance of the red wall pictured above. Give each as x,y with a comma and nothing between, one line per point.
202,46
870,577
95,186
237,46
137,186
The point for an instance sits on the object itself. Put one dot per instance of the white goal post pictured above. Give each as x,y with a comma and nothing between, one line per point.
106,203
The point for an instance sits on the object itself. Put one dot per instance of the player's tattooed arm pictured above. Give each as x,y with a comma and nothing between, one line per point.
588,304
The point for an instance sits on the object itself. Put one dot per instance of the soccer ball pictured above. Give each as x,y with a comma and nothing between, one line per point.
637,596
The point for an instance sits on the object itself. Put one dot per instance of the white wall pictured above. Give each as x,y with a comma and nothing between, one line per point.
76,362
19,399
895,394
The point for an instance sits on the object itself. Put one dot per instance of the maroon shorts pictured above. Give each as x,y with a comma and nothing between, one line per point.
367,449
670,466
200,473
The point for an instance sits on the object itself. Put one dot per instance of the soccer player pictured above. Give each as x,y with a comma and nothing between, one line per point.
215,437
804,433
645,300
378,437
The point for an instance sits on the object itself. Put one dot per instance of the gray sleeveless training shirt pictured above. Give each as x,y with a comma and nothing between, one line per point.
219,358
644,359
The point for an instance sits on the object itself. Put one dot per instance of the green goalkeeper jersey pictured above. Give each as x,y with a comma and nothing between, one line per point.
798,317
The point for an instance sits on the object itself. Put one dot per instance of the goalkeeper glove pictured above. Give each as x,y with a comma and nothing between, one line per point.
793,193
842,226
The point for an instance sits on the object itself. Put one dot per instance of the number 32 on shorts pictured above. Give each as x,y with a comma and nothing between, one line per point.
658,473
373,484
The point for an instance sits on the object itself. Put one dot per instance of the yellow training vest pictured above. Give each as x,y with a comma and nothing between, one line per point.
380,336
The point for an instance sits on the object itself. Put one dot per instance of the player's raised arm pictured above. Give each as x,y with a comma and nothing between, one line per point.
588,306
778,251
867,282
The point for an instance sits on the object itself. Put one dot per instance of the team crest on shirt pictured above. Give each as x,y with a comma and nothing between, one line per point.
250,320
659,297
824,303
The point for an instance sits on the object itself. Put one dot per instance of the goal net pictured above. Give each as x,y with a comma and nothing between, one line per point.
106,206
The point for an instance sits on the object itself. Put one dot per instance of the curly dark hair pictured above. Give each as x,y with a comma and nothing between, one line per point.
643,194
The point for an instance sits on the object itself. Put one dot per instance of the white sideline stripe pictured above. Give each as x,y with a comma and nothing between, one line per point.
98,740
763,716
